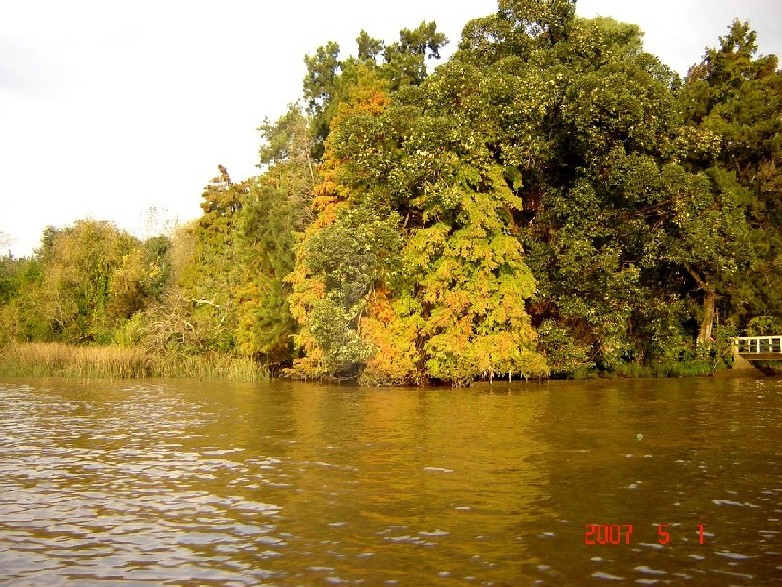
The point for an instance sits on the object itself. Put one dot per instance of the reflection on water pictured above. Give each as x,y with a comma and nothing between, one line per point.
190,483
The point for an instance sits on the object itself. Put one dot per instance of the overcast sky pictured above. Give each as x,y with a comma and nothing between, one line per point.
110,108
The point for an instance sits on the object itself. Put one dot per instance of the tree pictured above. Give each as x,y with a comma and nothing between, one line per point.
20,306
212,270
277,208
546,19
329,79
453,307
583,123
736,99
89,278
341,256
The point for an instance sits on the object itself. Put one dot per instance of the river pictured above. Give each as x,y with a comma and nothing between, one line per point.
282,483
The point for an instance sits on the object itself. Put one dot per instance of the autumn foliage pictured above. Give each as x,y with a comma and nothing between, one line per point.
552,200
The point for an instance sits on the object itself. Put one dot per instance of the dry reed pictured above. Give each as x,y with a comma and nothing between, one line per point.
52,359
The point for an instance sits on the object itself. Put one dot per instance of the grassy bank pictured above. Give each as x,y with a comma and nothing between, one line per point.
113,362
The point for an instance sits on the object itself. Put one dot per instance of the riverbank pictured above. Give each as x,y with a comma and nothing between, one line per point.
52,359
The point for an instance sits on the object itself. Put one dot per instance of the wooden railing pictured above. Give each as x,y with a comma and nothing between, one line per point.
759,345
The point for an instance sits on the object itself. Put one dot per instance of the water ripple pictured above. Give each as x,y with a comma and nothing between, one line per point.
151,484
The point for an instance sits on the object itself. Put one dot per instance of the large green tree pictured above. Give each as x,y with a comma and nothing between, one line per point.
278,207
629,240
735,96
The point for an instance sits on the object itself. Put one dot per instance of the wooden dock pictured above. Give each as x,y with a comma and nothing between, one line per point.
759,348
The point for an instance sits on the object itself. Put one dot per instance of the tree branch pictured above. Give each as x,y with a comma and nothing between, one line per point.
698,279
204,301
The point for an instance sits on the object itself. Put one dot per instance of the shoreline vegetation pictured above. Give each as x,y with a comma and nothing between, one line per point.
550,202
56,359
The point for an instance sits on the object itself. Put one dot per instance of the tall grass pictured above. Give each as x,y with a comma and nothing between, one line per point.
38,359
209,366
683,368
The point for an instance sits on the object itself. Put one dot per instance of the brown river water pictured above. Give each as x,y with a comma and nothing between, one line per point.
280,483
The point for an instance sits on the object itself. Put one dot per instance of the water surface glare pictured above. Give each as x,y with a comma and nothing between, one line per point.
279,483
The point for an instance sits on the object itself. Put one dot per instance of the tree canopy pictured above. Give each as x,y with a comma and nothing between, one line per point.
551,201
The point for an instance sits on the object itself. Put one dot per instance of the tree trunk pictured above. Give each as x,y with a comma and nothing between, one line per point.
709,301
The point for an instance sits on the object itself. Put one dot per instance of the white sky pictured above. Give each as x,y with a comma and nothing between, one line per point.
108,109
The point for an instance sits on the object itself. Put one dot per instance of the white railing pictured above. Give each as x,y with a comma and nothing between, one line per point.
749,345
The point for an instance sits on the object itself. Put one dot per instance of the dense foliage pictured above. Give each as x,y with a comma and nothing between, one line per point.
553,200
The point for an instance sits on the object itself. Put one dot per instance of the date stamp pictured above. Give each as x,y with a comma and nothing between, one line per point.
622,533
